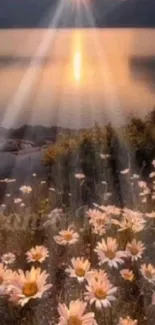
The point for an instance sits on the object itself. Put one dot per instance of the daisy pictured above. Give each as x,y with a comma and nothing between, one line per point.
52,189
97,220
75,314
25,189
135,249
53,217
151,175
37,254
132,220
97,275
150,215
101,293
127,274
17,200
104,156
29,285
142,184
125,171
145,192
8,258
107,251
65,237
11,180
111,209
127,321
153,163
135,176
80,268
148,272
79,176
22,205
6,277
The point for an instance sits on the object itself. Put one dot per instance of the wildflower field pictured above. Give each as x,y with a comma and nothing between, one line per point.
76,248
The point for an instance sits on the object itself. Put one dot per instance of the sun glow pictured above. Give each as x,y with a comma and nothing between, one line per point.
77,66
77,58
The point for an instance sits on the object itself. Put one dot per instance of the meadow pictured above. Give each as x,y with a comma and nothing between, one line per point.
77,247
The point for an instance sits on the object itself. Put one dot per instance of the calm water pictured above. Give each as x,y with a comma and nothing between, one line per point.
75,77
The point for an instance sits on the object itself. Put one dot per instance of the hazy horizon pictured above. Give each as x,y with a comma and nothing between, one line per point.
72,78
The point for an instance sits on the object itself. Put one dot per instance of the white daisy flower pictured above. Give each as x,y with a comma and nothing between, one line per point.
132,220
136,176
68,236
148,272
22,205
80,268
100,293
75,314
151,175
29,285
8,258
125,171
150,215
97,275
37,254
127,274
79,176
98,220
17,200
142,184
6,277
26,189
135,249
107,251
127,321
52,189
104,156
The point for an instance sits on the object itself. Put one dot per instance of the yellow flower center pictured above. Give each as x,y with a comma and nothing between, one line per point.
148,274
100,222
1,279
30,289
134,250
74,320
37,256
110,254
80,272
100,294
128,276
68,236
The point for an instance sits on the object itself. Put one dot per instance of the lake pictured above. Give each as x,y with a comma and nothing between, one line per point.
74,78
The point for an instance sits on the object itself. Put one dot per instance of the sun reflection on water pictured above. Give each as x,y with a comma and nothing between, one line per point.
77,66
77,59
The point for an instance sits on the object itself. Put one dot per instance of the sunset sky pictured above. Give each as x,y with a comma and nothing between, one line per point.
33,13
74,77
